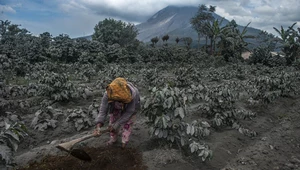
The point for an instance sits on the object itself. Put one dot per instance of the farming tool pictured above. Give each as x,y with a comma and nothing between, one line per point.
78,153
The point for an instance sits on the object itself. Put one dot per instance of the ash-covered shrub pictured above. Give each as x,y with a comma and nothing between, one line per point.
262,55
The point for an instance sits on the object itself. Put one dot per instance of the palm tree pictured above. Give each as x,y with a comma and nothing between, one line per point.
232,42
291,43
203,15
283,34
214,30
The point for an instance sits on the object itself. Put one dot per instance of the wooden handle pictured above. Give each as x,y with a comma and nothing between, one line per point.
68,145
88,136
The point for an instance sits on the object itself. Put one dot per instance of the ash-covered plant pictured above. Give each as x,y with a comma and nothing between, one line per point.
268,88
4,90
109,73
86,72
166,110
112,71
84,91
217,103
151,77
56,86
17,90
46,118
5,63
184,76
81,118
94,109
46,66
102,83
10,137
32,89
263,56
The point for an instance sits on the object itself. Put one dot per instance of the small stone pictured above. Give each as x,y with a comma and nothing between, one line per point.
53,142
271,147
48,142
289,165
264,138
252,163
243,163
295,160
265,152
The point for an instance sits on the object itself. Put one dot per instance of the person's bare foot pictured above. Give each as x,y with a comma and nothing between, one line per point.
123,145
111,142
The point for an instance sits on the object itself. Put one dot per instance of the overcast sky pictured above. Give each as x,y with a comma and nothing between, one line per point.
78,17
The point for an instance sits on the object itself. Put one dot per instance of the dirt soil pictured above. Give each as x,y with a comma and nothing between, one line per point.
102,158
277,146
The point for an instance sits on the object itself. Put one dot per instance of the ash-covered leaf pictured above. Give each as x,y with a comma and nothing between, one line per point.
34,122
13,135
13,144
6,154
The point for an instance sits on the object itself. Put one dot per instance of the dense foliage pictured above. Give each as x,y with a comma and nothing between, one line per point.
188,93
111,31
10,137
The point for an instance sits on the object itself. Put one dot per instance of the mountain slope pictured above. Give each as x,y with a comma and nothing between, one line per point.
175,21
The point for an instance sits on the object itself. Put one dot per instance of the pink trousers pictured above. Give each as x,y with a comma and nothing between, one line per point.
125,129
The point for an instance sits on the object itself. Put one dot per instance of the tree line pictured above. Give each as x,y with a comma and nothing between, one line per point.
227,41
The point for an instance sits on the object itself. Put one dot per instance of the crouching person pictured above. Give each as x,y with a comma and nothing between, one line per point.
122,102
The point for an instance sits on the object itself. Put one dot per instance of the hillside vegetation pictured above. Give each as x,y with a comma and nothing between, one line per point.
188,94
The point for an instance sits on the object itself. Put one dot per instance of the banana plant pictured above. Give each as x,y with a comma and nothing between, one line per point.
289,39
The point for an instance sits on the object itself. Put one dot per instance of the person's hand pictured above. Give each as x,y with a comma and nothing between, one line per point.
111,129
97,131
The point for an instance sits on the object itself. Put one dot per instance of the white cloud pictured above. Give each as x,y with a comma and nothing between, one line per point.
80,16
6,9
